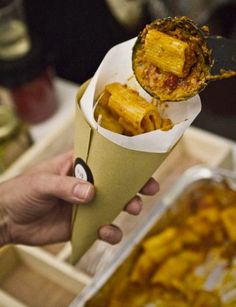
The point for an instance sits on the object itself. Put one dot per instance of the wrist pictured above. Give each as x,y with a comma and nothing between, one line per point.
4,228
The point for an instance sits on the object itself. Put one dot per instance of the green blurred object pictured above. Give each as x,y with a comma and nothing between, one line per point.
14,137
14,37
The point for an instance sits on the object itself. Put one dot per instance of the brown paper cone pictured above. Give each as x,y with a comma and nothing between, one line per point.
118,175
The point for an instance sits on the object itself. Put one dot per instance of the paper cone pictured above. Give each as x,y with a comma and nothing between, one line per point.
119,165
118,175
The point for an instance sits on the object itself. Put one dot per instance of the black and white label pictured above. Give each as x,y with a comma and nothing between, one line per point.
82,171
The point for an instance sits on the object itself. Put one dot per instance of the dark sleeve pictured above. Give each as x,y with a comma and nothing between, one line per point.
77,34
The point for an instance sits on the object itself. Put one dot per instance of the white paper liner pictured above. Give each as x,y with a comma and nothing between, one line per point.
117,67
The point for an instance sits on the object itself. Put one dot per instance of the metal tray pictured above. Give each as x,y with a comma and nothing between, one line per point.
191,176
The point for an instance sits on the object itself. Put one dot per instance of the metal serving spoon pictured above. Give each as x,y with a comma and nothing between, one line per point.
224,54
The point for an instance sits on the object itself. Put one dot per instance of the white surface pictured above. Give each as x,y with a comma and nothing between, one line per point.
66,92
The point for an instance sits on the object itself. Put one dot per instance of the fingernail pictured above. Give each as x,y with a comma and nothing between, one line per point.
83,191
110,233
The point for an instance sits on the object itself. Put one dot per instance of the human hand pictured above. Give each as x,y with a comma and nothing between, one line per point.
36,207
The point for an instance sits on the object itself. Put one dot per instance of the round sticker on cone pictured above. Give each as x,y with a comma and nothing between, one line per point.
82,171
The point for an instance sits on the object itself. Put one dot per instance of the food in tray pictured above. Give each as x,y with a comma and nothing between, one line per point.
171,59
188,258
122,110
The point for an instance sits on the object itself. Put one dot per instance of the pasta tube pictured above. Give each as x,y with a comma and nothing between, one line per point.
131,112
228,219
166,52
106,120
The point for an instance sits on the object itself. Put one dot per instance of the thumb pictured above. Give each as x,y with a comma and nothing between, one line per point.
68,188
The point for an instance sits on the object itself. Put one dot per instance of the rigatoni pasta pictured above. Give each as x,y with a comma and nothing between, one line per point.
122,110
166,52
187,260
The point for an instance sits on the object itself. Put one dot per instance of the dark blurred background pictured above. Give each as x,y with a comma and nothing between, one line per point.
77,34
